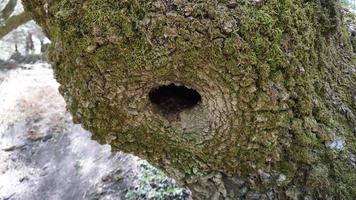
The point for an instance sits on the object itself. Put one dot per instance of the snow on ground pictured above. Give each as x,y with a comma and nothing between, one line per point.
43,155
351,4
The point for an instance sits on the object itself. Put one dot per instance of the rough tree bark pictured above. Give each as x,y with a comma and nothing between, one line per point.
272,111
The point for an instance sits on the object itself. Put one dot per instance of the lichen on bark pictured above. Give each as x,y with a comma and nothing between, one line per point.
276,80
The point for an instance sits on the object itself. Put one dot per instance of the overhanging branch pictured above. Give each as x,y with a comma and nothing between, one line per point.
14,22
9,9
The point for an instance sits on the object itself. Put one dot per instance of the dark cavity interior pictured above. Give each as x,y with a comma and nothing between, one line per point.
171,99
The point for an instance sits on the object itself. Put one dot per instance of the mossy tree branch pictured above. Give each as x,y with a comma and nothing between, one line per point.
275,117
13,22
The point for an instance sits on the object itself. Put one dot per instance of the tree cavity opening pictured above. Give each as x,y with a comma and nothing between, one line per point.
171,99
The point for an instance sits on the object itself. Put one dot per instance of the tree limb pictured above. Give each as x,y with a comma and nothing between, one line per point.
9,9
14,22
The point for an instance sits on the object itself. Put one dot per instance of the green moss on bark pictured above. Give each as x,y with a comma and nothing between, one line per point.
274,81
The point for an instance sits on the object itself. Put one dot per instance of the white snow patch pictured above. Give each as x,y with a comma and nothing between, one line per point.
3,4
18,36
337,144
29,99
18,9
20,85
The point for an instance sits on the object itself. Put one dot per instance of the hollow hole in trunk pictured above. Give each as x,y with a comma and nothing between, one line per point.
172,99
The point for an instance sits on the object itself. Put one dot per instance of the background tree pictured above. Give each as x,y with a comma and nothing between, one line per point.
233,98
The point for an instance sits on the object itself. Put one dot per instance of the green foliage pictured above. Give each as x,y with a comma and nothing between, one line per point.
154,184
77,164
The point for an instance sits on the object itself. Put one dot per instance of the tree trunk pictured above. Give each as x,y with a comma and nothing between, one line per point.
234,99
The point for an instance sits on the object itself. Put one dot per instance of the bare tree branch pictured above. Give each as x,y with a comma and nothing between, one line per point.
8,10
39,13
14,22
